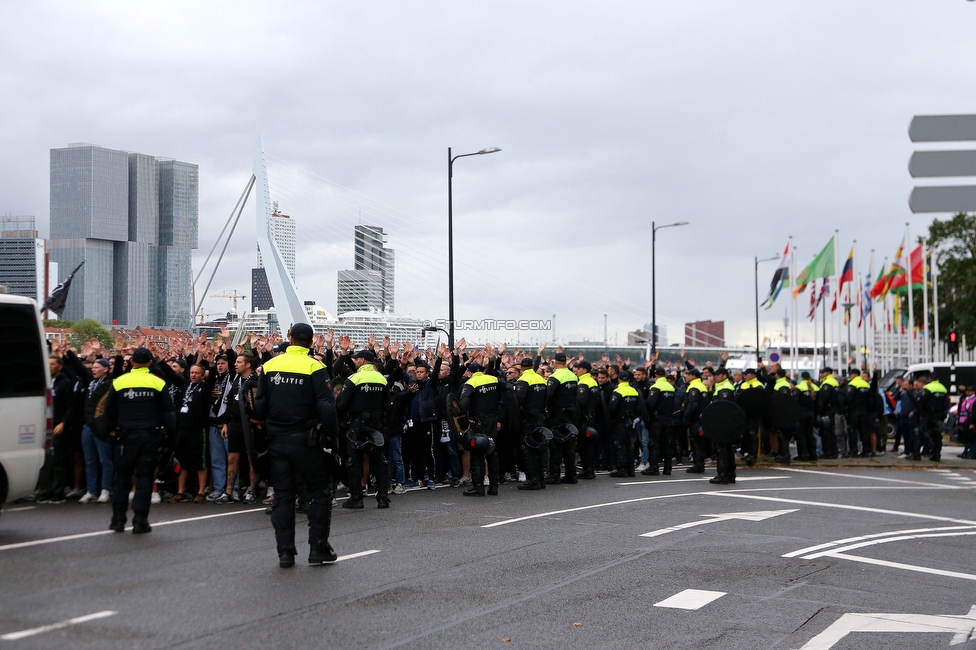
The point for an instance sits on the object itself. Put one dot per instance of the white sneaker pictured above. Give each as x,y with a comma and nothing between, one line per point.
155,498
398,489
132,495
74,494
104,497
521,477
641,467
88,497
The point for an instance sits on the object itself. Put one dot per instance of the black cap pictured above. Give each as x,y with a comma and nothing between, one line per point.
827,369
585,365
853,371
804,375
365,354
142,355
560,357
302,331
102,362
722,370
526,362
659,371
694,372
781,372
474,367
750,371
625,375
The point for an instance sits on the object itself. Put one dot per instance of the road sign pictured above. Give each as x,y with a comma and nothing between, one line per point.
932,164
746,516
947,198
774,357
942,128
961,627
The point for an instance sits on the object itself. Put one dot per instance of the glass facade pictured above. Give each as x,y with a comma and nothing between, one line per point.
179,200
92,290
89,193
143,198
359,291
372,256
136,292
22,266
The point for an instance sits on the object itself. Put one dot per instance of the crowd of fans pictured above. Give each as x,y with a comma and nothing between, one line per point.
423,437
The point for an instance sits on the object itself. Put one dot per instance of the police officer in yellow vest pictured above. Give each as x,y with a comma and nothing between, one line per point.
625,406
828,405
858,402
806,394
590,399
139,409
695,400
480,398
754,416
563,408
933,402
723,390
296,402
785,386
531,395
362,403
660,410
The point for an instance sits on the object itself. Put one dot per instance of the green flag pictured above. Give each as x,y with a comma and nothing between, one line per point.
822,266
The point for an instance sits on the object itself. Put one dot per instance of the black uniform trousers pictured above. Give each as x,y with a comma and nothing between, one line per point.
587,444
806,444
725,460
562,453
624,436
486,425
378,466
662,447
536,459
828,435
293,460
134,454
698,445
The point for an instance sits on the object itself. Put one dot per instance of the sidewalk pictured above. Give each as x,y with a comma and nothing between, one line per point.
950,460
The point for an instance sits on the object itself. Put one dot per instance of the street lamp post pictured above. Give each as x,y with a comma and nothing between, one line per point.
450,230
758,262
654,229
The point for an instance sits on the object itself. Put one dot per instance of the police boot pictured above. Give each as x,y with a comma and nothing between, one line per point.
531,484
140,523
286,558
587,474
321,552
493,489
475,491
354,502
382,500
722,479
118,517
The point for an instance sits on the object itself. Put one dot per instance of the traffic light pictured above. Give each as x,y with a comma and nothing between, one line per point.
953,342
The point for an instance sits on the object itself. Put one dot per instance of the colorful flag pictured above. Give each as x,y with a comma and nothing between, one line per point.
780,278
822,266
865,299
899,283
813,301
847,275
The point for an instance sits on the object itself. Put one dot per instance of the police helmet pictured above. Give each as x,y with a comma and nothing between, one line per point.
364,438
591,434
564,432
538,437
481,442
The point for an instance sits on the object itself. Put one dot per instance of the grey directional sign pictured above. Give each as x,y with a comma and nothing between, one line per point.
946,198
942,128
931,164
941,164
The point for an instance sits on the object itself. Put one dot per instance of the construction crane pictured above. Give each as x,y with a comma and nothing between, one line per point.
232,294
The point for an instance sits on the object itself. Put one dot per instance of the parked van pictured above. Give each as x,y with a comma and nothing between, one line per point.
25,397
965,373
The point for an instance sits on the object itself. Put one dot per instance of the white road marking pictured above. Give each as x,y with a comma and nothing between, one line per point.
739,479
23,634
841,506
907,567
886,540
866,477
961,627
20,509
746,516
595,505
690,599
353,556
97,533
851,540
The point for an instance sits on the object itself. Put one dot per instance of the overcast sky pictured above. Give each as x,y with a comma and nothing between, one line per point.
753,121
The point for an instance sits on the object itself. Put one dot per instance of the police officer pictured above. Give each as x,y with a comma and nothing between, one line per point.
139,409
563,408
695,401
933,402
590,400
859,400
362,402
806,394
784,386
754,414
480,398
828,404
531,393
660,410
296,402
625,406
723,390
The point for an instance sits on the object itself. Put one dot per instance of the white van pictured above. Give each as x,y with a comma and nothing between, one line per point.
965,373
25,397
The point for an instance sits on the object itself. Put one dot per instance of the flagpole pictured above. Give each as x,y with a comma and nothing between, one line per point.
865,297
936,338
926,347
792,305
911,297
835,316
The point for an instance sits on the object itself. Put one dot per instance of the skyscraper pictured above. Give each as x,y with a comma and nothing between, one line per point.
281,228
22,266
359,291
370,255
132,218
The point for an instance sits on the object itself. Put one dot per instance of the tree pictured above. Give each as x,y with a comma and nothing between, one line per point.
56,322
86,329
954,241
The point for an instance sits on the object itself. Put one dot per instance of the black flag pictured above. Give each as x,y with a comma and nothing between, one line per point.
59,296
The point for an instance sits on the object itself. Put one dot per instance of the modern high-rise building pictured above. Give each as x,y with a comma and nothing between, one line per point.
705,333
370,255
22,258
359,291
132,218
281,228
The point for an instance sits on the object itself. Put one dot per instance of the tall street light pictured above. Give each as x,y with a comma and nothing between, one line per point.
654,229
450,230
758,262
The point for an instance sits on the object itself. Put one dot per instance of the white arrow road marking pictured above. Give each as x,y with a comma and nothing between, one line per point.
961,627
690,599
852,540
746,516
23,634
